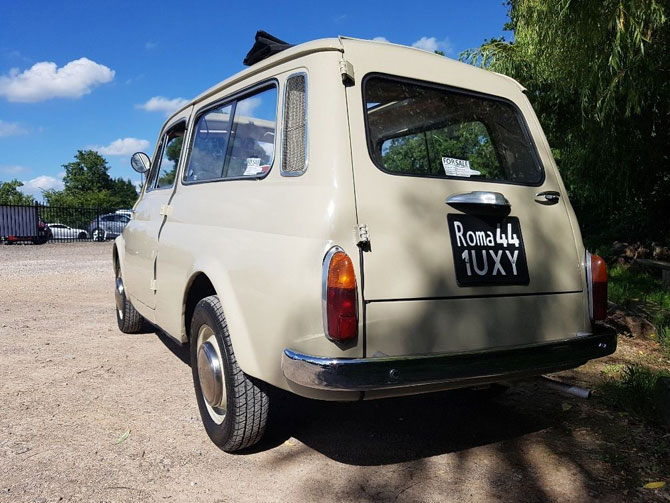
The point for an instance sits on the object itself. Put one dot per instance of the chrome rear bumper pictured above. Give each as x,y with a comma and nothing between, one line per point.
459,369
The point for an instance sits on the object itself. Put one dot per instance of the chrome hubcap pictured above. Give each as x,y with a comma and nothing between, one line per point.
119,295
210,373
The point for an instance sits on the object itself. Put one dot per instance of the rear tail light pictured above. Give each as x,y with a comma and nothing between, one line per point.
340,297
596,275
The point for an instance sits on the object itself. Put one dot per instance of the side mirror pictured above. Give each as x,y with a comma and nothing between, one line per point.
140,162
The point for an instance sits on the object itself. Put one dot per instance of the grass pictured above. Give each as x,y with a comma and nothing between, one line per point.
631,388
635,290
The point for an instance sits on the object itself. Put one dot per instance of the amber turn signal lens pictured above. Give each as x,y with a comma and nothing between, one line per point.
599,287
341,272
341,299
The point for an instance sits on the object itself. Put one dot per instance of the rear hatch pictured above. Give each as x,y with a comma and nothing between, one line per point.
464,255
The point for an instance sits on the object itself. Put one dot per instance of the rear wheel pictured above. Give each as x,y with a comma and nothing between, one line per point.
127,317
234,407
82,235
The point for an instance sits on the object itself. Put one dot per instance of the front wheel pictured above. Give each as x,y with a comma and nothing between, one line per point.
234,407
127,317
98,234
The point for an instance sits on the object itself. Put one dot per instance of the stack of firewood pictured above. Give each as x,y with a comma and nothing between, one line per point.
625,253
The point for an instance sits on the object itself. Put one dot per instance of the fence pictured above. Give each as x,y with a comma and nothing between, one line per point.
40,223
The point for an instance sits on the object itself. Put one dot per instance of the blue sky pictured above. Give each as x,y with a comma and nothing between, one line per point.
77,74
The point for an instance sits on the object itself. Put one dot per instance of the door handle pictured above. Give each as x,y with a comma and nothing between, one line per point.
480,201
547,197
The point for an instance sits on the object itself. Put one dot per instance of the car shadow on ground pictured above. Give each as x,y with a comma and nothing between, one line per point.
388,431
181,351
397,430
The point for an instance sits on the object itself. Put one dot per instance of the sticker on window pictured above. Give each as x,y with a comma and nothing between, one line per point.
253,166
458,167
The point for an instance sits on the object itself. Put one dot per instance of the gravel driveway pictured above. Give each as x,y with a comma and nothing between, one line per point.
73,386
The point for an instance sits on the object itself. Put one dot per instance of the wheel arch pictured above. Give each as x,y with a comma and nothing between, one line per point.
204,282
118,255
197,288
115,258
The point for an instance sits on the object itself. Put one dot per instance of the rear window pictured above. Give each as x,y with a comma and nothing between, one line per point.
423,130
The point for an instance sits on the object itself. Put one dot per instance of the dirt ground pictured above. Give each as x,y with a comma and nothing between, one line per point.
71,385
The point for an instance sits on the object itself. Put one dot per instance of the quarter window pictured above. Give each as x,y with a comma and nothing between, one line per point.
235,140
170,152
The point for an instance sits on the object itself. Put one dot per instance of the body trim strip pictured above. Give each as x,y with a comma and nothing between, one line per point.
483,296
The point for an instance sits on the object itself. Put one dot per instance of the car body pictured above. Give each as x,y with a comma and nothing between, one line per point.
370,221
107,226
62,231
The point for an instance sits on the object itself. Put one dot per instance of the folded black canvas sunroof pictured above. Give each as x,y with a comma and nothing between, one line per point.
265,46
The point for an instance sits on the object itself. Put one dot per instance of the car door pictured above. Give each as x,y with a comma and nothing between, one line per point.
57,231
471,244
142,231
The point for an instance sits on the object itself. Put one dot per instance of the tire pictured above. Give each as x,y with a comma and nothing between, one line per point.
241,407
127,317
82,235
98,234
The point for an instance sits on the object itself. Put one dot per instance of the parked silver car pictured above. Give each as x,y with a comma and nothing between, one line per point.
107,226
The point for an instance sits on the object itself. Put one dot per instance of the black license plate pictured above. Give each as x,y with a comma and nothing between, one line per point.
487,250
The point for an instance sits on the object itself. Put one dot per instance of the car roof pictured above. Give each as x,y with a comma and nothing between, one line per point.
343,44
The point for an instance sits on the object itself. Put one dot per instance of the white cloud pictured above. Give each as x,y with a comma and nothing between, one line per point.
163,104
10,128
431,44
13,170
37,185
381,39
45,80
247,107
122,146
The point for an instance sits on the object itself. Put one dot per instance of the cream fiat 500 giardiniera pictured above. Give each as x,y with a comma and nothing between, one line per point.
350,220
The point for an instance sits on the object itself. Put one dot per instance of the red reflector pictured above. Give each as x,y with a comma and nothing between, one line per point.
599,287
341,298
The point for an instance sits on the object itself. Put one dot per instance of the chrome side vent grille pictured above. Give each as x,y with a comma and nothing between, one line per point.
294,148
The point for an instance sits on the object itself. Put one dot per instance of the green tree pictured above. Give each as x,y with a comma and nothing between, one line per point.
172,154
87,183
10,194
598,76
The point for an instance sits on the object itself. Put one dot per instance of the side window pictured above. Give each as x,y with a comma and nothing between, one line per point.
253,136
235,140
210,145
163,175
